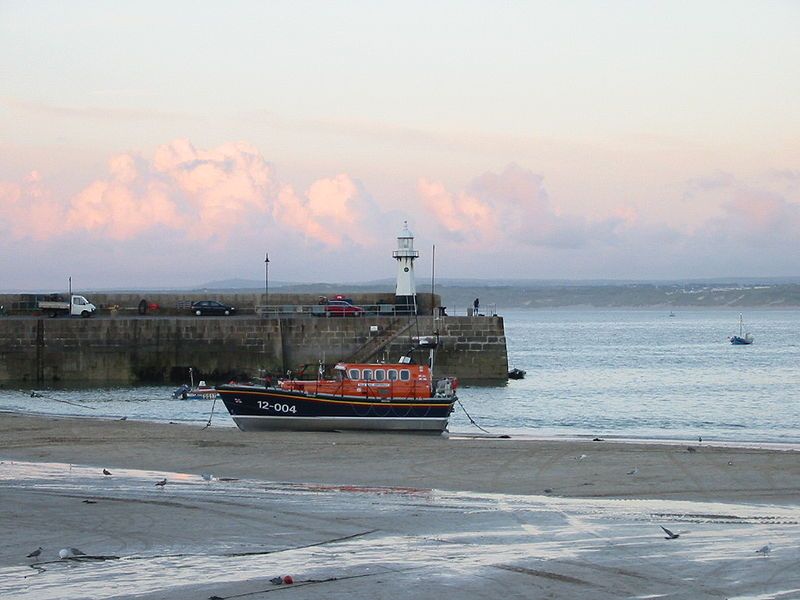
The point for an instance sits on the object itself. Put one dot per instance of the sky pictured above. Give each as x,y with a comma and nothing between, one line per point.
170,144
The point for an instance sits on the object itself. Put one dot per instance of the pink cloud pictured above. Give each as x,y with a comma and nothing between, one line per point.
334,211
214,194
28,209
506,208
753,215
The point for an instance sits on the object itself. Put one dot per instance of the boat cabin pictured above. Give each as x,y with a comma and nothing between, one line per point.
390,380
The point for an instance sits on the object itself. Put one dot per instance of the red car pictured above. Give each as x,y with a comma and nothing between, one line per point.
340,308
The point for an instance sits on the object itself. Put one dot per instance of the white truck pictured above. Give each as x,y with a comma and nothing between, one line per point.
73,305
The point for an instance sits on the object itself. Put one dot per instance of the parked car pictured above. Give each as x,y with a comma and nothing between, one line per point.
342,308
212,307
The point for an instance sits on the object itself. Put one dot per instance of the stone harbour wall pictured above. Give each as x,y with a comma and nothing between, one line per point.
130,349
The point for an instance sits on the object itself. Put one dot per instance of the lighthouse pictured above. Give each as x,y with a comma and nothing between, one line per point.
406,292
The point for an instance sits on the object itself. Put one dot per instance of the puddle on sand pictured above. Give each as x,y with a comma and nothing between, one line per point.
348,531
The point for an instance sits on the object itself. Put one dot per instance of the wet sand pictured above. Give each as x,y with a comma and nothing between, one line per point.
388,515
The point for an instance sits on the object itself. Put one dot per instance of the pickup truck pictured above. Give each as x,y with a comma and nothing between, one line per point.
76,306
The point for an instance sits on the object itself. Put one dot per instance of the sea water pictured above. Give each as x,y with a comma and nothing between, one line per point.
590,372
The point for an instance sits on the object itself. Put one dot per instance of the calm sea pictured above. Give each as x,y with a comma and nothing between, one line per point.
608,373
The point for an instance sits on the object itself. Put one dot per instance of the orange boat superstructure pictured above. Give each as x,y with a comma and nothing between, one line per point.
371,380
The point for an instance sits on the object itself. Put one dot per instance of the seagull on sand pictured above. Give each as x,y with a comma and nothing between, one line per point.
35,553
106,472
633,471
581,457
670,535
161,483
70,553
764,550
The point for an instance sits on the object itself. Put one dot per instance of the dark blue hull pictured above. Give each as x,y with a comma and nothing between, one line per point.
255,408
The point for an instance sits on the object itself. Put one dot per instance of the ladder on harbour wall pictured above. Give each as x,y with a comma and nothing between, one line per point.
375,345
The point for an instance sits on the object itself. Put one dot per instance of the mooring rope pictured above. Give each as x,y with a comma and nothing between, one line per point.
38,395
471,420
211,416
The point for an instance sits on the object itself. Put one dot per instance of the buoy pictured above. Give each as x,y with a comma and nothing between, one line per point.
287,579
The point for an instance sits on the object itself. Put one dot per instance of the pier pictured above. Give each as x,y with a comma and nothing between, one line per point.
120,345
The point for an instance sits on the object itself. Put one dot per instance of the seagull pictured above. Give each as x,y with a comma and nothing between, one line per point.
670,534
123,418
161,483
581,457
106,472
700,439
35,553
70,553
764,550
633,471
207,476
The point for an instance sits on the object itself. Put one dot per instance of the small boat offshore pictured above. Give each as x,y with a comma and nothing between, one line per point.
743,339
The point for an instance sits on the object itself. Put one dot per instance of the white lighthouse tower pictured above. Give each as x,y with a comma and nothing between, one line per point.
406,292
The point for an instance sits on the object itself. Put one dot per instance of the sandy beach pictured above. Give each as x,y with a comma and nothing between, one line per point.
387,515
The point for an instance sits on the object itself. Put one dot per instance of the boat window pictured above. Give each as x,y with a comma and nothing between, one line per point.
405,375
380,374
355,374
367,374
392,375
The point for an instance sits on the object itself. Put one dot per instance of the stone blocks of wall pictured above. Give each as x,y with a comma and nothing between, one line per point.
131,349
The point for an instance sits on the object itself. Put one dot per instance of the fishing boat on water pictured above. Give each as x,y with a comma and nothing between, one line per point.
398,396
743,339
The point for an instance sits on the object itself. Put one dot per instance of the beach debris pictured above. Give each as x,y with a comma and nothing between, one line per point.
288,579
633,471
277,580
730,463
670,535
581,457
598,439
161,483
70,553
106,472
548,490
700,439
764,550
35,395
89,501
36,553
691,450
207,476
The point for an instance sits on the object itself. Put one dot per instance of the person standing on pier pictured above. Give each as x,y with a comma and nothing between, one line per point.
476,305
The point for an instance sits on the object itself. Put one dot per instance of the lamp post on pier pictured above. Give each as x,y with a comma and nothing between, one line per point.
266,279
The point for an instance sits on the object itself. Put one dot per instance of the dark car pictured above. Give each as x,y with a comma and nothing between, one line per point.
212,307
342,308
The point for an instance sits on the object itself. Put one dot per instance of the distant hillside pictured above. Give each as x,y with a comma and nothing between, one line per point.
628,295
